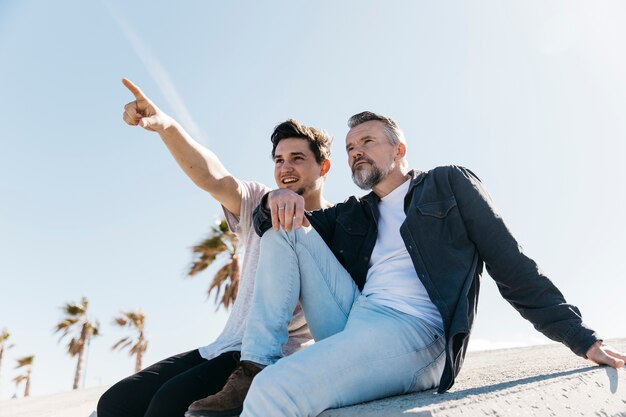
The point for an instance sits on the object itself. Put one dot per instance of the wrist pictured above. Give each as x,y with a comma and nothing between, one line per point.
171,129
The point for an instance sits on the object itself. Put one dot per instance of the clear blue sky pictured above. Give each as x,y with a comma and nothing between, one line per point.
529,95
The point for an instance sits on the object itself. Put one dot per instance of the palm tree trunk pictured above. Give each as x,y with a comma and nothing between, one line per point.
1,355
139,354
79,365
81,352
27,388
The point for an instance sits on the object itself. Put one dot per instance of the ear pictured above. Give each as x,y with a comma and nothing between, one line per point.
325,167
401,151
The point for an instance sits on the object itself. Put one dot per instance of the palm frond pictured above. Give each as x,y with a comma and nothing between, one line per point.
93,328
220,277
139,347
24,361
122,343
120,321
4,335
221,241
65,324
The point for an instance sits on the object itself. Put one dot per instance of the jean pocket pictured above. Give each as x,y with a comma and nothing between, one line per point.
432,360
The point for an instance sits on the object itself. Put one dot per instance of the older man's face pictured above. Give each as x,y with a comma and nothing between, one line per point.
370,155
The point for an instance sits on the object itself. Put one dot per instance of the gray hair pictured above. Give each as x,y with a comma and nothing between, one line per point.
395,135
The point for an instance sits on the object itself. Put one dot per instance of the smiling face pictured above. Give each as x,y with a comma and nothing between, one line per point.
295,167
370,154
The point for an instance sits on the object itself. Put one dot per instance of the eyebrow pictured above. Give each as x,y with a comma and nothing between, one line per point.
292,154
359,140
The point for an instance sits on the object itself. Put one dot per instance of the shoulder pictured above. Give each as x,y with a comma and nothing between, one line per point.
451,173
353,202
349,205
252,190
450,170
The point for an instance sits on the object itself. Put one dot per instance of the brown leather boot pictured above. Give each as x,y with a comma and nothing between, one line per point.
229,401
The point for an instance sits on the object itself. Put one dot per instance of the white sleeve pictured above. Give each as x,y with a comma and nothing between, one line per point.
251,194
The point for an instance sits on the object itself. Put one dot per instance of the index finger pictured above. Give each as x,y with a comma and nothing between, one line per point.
134,89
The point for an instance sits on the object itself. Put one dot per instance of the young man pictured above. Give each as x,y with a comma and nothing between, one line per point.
389,286
301,162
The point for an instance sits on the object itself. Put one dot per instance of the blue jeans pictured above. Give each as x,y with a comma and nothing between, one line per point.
363,350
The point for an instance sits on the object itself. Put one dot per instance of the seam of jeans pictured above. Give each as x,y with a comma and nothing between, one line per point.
284,311
391,356
332,293
424,368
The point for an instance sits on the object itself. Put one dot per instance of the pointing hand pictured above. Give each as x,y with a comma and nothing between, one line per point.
142,112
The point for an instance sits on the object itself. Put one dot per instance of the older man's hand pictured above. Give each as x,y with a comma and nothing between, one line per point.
605,355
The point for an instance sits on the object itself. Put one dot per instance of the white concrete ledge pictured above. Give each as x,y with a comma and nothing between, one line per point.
536,381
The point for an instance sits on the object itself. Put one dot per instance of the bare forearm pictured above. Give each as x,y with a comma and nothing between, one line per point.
200,164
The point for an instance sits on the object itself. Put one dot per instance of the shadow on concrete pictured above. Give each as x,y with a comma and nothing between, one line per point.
518,382
456,395
411,404
613,378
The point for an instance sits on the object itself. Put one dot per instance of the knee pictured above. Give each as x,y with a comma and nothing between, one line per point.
275,393
277,237
111,403
122,399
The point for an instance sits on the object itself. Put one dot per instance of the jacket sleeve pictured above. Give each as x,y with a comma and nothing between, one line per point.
261,217
519,279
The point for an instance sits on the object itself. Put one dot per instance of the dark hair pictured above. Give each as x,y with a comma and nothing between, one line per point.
394,133
319,140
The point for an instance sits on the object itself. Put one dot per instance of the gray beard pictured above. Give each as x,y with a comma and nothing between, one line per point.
366,180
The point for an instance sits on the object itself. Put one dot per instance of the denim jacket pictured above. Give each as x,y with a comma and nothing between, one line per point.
451,230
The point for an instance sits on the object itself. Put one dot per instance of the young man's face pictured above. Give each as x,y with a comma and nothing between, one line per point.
295,166
370,155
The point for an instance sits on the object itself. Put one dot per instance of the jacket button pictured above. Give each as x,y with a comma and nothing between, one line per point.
366,258
410,247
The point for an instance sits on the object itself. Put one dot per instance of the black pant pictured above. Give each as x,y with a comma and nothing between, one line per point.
166,388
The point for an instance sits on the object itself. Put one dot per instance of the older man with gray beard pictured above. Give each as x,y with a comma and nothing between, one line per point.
388,283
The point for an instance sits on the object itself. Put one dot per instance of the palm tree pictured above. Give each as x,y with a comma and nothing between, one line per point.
76,320
24,362
221,241
138,346
4,336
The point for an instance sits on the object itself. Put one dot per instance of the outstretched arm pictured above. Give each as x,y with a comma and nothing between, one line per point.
199,163
520,280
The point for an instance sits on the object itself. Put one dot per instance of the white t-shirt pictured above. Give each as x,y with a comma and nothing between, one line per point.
231,336
391,278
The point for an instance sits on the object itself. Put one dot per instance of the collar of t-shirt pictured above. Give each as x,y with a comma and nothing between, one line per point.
397,194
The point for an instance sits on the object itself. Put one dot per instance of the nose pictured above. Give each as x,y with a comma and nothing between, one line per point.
355,153
286,166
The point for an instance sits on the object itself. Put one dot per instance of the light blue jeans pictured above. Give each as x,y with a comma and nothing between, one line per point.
363,350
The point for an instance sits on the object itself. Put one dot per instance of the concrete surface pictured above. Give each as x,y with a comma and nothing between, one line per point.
80,403
536,381
540,381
